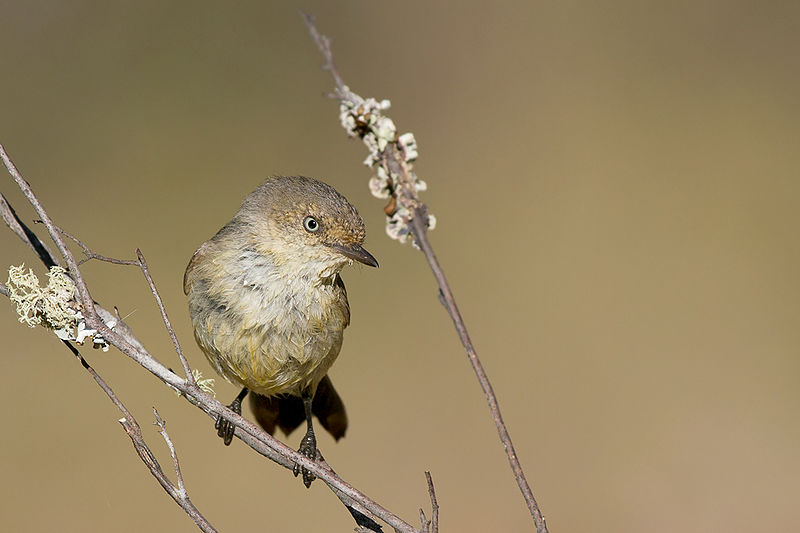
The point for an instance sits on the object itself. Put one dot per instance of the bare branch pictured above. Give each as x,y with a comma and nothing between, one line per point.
162,428
324,45
434,504
362,117
92,255
178,494
135,433
143,265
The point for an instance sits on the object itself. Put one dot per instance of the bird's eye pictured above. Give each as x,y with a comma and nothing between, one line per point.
310,224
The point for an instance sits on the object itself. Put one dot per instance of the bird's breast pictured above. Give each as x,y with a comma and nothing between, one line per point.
267,329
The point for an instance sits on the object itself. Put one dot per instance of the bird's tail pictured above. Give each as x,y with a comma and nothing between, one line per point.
287,413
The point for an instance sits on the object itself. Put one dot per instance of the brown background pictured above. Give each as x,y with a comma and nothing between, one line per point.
616,185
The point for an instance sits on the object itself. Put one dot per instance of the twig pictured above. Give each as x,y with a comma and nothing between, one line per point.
394,162
134,431
146,271
434,504
162,428
89,253
180,496
120,336
420,233
324,45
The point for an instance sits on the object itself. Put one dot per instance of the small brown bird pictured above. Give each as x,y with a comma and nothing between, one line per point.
269,307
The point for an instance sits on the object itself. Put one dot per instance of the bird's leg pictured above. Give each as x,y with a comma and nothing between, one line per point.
225,428
308,446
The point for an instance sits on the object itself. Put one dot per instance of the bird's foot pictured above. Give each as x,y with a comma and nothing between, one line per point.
308,447
225,428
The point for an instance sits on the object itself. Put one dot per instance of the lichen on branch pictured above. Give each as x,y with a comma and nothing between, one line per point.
364,118
53,306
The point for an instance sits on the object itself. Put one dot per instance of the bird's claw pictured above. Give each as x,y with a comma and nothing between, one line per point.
308,447
225,428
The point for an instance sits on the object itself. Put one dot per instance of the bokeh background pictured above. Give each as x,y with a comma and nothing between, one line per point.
617,192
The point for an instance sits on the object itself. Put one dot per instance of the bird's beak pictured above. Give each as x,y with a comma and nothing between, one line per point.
356,253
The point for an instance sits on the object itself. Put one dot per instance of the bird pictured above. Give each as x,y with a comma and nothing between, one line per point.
268,305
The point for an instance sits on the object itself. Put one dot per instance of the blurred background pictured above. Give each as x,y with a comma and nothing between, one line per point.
616,186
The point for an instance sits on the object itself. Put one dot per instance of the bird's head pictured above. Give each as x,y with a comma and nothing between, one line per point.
304,224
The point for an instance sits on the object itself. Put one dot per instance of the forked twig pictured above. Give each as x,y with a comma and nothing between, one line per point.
162,428
134,431
142,264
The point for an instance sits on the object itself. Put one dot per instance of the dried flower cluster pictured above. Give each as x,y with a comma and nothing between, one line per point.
364,118
53,306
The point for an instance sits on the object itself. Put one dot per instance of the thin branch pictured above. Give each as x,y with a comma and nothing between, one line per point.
121,336
162,428
134,431
90,254
421,235
324,45
180,496
395,163
434,504
146,271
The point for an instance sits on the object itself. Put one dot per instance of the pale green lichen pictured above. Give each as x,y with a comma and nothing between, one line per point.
53,306
205,384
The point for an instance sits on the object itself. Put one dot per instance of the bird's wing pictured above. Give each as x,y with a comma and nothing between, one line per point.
196,259
343,299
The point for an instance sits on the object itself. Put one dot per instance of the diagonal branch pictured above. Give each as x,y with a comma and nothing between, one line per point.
393,154
364,509
146,271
